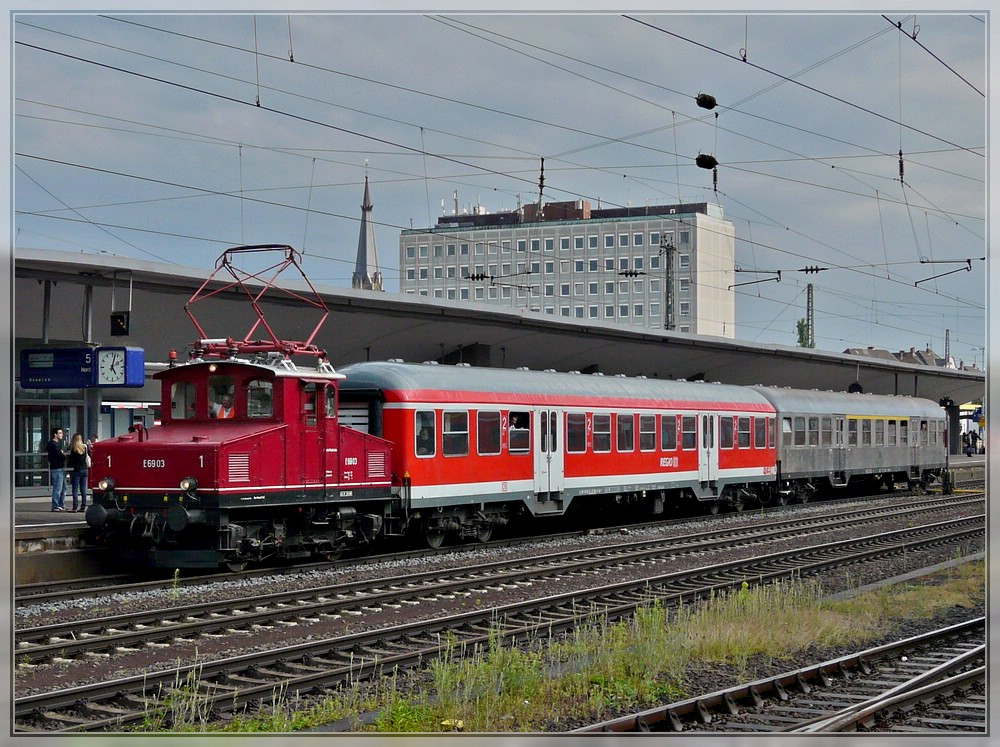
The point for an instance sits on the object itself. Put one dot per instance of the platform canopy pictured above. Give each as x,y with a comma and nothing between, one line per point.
369,325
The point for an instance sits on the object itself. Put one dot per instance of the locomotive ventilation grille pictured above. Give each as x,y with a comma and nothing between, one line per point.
376,464
239,468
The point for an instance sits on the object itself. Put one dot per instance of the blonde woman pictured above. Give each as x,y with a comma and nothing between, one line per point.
76,462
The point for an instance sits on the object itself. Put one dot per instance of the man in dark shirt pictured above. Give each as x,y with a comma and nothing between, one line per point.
57,469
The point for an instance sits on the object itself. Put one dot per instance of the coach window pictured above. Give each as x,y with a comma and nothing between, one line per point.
904,429
880,433
576,432
800,431
866,432
852,432
488,433
923,432
826,431
425,435
602,433
760,433
890,433
519,435
647,433
813,432
786,431
668,432
689,432
770,433
743,432
455,433
725,432
259,399
626,432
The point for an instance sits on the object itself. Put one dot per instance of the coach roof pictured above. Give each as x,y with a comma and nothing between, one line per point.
413,380
843,403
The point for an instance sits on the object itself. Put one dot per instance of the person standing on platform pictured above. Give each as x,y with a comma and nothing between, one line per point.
57,469
78,462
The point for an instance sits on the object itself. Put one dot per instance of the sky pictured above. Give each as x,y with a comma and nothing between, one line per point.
170,137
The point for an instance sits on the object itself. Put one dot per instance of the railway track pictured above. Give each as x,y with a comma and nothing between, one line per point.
110,634
51,592
928,683
227,683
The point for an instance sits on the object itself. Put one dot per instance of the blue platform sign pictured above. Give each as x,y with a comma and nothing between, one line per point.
81,368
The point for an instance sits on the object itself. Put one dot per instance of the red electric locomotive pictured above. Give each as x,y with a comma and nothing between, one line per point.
250,460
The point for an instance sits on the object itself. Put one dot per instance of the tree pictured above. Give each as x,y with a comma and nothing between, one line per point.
802,329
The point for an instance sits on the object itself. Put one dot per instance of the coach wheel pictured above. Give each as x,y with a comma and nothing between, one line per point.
333,555
236,565
781,498
803,495
484,533
434,537
713,507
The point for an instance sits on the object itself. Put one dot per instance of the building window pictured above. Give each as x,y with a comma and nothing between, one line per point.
451,294
451,272
464,250
637,239
654,262
439,293
439,250
684,328
578,289
535,245
637,310
623,239
411,274
622,263
609,287
592,288
492,293
623,287
423,251
564,311
578,242
522,245
480,249
684,285
592,242
505,291
480,294
685,308
411,252
423,273
623,310
550,244
684,260
464,294
654,285
564,289
536,267
654,238
592,311
654,310
550,267
505,246
578,312
594,264
451,250
550,289
564,243
685,237
578,265
609,264
438,273
637,286
609,311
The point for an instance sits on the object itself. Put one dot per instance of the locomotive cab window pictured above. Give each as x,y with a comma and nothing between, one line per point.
220,397
519,435
182,398
260,403
331,401
309,403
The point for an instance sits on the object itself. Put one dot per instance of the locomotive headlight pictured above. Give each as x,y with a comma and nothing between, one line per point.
189,485
106,484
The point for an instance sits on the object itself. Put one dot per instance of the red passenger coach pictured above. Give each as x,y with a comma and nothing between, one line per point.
478,445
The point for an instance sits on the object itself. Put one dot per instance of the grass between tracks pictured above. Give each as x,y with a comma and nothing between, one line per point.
600,669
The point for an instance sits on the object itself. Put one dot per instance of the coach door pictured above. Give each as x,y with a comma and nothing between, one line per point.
840,447
708,450
548,454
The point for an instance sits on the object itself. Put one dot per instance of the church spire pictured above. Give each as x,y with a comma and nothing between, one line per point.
366,273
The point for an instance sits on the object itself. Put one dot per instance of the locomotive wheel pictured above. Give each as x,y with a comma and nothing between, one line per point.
236,565
333,555
484,533
738,503
781,499
434,537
